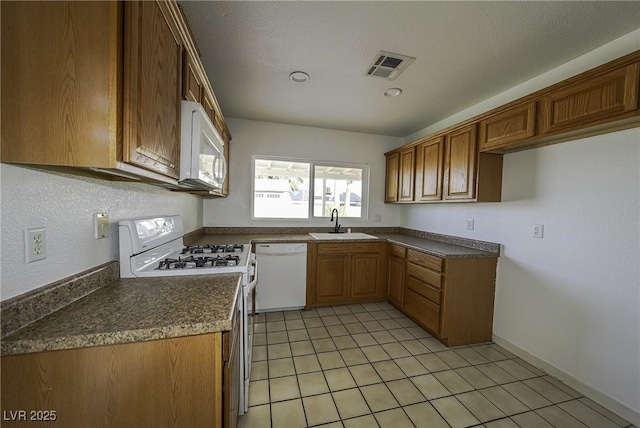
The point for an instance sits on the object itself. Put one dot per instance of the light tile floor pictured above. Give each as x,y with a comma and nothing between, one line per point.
370,366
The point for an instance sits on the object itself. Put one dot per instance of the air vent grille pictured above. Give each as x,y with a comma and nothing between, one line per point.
389,65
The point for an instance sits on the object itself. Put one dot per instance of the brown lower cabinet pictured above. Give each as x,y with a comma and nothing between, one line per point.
344,273
451,298
187,381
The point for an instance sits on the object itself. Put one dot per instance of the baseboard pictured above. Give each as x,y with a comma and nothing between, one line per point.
588,391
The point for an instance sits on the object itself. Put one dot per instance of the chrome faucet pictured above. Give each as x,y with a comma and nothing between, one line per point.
336,229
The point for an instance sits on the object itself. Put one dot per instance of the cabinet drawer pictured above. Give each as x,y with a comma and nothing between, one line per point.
349,248
425,275
432,262
397,250
423,289
422,310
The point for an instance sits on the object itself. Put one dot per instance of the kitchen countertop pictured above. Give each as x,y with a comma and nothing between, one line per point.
134,310
437,248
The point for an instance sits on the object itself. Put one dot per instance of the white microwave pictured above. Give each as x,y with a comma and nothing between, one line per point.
202,162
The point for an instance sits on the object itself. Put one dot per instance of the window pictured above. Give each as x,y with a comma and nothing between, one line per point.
301,189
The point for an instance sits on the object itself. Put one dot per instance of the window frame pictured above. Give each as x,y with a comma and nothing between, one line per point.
364,198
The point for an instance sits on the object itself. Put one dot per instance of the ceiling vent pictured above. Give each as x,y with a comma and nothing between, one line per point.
389,65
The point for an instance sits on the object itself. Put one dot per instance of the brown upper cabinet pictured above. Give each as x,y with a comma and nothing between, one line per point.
391,177
152,87
94,88
429,163
406,173
464,162
192,89
447,168
460,164
508,126
591,101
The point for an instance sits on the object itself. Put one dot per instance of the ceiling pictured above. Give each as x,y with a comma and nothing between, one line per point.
465,52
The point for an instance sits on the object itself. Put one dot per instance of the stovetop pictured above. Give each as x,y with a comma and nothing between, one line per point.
155,247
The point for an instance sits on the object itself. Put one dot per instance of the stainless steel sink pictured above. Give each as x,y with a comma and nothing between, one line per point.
342,236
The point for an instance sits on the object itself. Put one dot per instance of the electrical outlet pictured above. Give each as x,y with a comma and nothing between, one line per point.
470,222
35,244
378,218
538,230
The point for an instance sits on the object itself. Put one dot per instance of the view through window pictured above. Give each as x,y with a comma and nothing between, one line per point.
284,188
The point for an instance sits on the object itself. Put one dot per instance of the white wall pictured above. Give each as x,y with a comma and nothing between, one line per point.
251,138
64,205
571,299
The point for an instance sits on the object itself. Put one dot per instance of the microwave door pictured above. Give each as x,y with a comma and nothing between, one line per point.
211,167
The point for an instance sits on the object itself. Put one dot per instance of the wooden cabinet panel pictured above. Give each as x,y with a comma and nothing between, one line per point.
429,159
365,283
207,103
424,311
506,127
397,251
425,275
588,102
348,272
60,96
460,163
191,83
349,248
424,259
332,278
145,384
395,285
152,82
407,168
424,290
392,175
232,383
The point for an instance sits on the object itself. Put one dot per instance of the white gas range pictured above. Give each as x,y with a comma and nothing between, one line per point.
154,246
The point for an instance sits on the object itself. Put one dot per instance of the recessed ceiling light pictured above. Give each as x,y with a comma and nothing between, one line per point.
392,92
299,77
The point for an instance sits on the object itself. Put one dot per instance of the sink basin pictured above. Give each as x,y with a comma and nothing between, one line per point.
342,236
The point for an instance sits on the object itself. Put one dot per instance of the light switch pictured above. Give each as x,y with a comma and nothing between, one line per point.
101,223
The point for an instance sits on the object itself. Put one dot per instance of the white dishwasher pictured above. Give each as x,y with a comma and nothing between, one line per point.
282,284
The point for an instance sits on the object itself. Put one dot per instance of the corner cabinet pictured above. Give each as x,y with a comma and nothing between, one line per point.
94,88
344,273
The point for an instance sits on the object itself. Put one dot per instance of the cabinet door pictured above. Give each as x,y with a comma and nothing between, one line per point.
591,102
407,168
332,278
231,381
191,84
510,126
395,291
429,156
208,106
391,177
460,163
365,278
60,68
152,88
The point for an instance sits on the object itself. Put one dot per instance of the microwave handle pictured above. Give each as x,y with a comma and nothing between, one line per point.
223,163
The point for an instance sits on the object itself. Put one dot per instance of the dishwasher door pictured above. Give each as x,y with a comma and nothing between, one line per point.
283,277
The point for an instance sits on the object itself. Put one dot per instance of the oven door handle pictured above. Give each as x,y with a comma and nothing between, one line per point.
252,285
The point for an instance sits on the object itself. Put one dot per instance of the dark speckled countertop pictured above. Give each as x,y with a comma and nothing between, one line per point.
430,246
133,310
